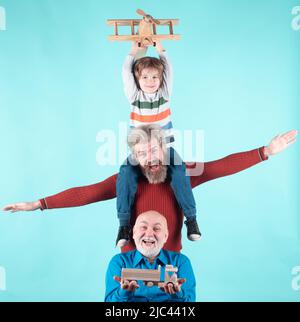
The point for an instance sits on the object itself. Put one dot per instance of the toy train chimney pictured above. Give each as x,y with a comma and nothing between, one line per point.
171,268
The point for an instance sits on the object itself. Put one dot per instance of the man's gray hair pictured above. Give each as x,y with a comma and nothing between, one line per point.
144,134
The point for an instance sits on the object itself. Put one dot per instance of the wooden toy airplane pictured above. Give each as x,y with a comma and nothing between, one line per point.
146,34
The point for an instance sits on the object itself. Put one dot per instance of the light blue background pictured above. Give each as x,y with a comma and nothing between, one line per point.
236,77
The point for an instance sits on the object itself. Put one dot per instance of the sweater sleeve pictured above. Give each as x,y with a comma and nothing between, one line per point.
129,83
229,165
80,196
167,75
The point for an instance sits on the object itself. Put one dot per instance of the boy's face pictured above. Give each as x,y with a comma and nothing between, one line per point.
149,81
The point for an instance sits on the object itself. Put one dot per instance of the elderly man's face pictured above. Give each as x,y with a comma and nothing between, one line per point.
150,233
151,158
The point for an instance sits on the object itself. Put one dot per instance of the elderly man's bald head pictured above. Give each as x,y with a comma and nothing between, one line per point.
150,233
153,216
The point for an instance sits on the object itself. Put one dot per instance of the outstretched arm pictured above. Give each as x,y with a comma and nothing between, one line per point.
73,197
239,161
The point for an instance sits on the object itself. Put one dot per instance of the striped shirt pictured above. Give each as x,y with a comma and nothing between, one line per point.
148,108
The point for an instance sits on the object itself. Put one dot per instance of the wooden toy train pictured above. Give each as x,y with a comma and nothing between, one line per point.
147,33
151,277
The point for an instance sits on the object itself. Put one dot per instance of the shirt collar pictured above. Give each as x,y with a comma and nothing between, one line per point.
138,257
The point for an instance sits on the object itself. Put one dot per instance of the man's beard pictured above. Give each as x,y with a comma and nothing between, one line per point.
156,177
151,252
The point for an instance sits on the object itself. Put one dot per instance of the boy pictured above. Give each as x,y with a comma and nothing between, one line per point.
148,85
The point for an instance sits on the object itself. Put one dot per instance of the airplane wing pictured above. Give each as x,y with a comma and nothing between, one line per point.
137,37
128,22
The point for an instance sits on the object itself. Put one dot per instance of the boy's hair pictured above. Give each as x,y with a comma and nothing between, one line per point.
148,62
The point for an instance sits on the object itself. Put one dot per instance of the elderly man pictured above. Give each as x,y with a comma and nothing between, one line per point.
154,191
150,233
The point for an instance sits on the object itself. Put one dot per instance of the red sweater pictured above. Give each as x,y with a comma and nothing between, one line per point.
159,197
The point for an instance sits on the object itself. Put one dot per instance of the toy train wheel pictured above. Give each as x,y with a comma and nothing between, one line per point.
149,284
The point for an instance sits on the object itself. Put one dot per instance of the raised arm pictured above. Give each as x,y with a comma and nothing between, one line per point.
240,161
73,197
129,83
168,70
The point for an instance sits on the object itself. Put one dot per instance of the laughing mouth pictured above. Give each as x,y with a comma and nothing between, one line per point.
154,167
148,243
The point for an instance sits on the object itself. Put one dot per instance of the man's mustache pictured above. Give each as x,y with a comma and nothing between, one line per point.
152,163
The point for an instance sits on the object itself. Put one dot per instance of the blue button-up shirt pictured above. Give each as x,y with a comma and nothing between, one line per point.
134,259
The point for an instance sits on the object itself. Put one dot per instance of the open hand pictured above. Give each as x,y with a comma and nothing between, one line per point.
126,285
136,49
159,47
171,288
22,206
280,142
